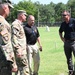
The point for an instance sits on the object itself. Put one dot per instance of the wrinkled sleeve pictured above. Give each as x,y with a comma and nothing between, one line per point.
15,35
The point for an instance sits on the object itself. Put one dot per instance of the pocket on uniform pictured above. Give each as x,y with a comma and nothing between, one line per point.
5,36
22,61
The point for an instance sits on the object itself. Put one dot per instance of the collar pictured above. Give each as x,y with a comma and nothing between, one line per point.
2,16
19,21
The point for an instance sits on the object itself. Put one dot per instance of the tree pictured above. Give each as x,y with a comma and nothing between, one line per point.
44,12
71,7
28,6
59,8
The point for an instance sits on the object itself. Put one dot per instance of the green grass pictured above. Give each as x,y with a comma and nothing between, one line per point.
53,60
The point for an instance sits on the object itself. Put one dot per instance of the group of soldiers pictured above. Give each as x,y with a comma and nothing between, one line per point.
13,55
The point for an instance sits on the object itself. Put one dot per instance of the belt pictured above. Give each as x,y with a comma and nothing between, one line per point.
70,40
31,43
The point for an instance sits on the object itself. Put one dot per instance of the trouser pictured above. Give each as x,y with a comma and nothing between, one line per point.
69,47
33,52
5,68
23,68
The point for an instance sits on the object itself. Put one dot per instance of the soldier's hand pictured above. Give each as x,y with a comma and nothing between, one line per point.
19,53
14,69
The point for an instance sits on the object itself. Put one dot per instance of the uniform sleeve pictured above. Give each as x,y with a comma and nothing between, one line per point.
18,40
15,34
6,46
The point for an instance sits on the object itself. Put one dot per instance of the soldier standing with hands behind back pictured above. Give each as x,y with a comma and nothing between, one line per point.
6,50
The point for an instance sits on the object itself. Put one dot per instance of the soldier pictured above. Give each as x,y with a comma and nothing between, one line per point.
19,43
6,50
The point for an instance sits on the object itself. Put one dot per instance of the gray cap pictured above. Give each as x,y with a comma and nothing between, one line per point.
22,11
8,2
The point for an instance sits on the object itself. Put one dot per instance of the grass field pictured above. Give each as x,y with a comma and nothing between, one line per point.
53,61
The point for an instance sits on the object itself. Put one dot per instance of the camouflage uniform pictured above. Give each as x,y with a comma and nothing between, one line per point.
6,51
19,42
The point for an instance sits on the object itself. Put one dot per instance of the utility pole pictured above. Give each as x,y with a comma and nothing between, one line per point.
38,17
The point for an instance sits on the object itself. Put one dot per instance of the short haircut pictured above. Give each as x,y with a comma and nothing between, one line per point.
68,13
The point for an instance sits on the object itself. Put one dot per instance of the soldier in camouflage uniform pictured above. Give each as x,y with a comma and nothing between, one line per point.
6,50
19,43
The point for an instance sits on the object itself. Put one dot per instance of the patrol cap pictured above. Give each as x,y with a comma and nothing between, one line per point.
22,11
8,2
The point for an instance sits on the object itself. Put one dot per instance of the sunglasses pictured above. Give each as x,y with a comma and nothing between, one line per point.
64,15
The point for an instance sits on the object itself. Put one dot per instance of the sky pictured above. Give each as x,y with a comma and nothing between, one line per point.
44,1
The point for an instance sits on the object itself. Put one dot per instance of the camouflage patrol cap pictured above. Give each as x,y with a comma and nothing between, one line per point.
8,2
22,11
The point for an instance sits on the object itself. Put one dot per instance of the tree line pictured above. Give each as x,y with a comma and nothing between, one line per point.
46,13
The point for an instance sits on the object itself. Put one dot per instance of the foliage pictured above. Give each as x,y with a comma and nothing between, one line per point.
71,5
58,10
28,6
43,12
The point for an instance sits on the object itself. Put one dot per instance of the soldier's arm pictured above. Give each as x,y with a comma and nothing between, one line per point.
15,35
